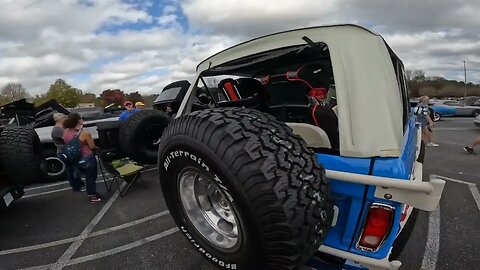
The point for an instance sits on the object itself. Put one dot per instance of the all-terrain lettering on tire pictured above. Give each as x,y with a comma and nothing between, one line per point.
246,179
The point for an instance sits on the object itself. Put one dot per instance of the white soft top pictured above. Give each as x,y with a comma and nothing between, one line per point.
369,99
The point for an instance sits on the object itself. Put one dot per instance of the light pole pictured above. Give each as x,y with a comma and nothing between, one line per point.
465,76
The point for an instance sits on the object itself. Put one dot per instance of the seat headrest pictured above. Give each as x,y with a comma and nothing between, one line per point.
248,87
230,88
314,74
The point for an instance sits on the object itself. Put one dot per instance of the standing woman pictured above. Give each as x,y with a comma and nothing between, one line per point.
57,137
422,114
88,164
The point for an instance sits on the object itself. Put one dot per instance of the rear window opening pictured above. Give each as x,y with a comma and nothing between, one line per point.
296,85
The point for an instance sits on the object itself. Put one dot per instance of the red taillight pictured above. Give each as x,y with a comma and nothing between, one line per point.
376,228
404,212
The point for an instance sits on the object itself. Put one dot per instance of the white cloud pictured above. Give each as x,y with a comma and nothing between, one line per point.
19,18
48,39
176,63
251,18
434,35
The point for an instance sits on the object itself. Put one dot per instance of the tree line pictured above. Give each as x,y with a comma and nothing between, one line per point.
70,96
437,86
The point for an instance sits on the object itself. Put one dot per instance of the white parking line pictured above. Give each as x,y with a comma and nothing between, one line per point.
56,190
53,185
46,192
63,189
67,255
47,186
66,182
473,188
109,252
72,239
124,247
57,184
475,194
452,143
454,180
430,256
454,129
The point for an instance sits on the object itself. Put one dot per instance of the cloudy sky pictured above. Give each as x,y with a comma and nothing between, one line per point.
143,45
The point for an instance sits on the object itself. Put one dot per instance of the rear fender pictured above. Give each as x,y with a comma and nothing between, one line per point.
393,181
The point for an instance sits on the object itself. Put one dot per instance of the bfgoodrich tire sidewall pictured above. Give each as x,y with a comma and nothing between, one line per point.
247,253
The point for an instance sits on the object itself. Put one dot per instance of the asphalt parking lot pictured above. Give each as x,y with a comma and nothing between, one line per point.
54,228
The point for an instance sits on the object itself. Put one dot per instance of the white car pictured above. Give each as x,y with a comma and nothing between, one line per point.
53,167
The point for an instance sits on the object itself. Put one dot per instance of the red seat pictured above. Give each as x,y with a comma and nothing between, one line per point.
229,87
314,81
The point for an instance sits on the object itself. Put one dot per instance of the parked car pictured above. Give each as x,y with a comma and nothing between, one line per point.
437,111
460,108
279,170
90,113
95,113
53,168
40,118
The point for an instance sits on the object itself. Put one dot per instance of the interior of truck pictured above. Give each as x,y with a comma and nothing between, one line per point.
294,84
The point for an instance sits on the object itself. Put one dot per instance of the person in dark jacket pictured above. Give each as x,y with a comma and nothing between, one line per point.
128,112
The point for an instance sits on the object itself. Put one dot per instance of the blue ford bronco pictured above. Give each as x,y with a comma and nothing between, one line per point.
296,150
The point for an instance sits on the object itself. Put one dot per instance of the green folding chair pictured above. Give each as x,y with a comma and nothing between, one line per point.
129,172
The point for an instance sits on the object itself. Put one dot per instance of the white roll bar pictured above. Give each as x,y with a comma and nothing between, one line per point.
414,192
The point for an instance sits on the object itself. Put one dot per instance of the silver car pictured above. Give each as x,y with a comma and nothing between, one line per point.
460,108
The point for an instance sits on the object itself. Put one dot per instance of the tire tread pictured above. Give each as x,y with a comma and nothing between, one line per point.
20,154
277,171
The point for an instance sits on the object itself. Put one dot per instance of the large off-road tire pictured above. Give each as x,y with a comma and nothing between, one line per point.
53,168
21,155
245,191
140,133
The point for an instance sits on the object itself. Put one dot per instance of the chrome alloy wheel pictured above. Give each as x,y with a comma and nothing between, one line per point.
54,166
207,208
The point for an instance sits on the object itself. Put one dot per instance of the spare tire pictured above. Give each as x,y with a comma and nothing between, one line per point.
245,191
20,150
140,133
